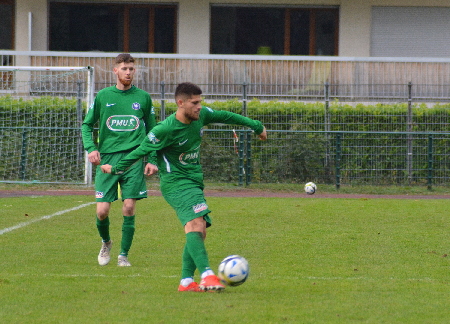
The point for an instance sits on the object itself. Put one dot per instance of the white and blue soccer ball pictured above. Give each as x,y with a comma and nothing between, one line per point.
233,270
310,188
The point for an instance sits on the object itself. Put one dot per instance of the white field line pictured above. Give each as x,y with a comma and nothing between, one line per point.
20,225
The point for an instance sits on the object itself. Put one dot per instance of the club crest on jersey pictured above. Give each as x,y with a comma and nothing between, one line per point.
136,106
99,194
152,138
200,207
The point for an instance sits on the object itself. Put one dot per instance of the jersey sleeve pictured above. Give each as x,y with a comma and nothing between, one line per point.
227,117
149,116
87,128
150,122
149,146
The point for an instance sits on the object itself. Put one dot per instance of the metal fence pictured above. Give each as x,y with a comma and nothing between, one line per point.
370,158
332,120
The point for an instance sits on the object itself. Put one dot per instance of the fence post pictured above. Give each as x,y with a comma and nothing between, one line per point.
241,158
244,98
162,114
248,172
338,160
23,155
430,161
409,145
327,124
327,107
80,153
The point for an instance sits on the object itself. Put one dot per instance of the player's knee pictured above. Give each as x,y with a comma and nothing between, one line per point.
196,225
102,215
102,210
129,207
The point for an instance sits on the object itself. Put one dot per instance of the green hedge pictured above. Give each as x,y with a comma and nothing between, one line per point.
289,157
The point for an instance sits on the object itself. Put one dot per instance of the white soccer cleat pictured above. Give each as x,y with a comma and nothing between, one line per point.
122,261
103,256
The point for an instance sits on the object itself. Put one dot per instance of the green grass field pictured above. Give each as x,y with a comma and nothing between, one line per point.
312,261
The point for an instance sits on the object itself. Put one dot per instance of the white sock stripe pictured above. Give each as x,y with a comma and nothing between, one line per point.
20,225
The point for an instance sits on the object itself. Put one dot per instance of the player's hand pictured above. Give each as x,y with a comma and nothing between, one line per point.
150,169
106,168
94,157
263,135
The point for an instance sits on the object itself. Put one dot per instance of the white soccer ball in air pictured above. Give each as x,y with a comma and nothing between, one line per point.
310,188
233,270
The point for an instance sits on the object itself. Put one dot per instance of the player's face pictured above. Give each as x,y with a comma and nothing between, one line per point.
191,107
125,73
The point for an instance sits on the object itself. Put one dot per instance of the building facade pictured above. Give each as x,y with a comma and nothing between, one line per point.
347,28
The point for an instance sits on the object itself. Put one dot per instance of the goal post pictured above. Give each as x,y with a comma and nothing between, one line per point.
41,112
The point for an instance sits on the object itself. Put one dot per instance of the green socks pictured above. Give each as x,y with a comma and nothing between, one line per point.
198,256
128,229
103,229
188,267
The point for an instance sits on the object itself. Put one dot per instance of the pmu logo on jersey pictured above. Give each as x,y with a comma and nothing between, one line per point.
200,207
123,123
136,106
191,157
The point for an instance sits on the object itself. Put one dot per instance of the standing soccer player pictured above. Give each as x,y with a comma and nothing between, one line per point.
125,114
177,142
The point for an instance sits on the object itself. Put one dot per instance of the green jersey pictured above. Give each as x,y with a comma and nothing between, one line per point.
178,147
124,117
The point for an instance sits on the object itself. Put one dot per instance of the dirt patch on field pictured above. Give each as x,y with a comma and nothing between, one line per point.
223,193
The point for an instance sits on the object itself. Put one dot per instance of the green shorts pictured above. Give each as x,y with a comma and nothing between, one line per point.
132,182
189,204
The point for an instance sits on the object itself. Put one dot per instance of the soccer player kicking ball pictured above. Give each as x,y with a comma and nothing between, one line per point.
177,142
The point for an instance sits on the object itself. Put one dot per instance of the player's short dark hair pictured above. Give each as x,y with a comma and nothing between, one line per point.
187,89
124,58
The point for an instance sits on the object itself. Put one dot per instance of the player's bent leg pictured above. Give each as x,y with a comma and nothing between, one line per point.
196,248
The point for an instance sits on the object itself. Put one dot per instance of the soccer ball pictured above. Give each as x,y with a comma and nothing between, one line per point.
310,188
233,270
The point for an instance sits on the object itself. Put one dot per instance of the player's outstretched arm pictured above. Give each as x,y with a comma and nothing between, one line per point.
106,168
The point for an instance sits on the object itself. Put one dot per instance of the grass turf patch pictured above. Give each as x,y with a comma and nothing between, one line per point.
311,261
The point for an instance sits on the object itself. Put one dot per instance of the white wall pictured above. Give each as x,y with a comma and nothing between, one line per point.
354,28
38,8
193,27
